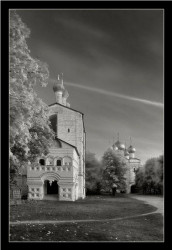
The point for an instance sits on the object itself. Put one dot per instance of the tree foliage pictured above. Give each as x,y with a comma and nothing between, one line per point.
93,174
114,170
30,134
149,178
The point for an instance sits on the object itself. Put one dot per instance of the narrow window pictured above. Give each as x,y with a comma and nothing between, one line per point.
58,162
42,162
68,130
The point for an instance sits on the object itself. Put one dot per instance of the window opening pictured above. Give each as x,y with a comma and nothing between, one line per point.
59,163
42,162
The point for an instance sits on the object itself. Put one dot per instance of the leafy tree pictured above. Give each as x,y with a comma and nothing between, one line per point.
150,177
93,174
30,134
114,170
160,170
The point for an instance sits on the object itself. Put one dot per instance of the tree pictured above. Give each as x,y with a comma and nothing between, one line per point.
150,177
160,170
93,174
114,170
30,133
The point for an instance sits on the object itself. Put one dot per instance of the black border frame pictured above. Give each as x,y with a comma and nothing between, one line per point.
6,5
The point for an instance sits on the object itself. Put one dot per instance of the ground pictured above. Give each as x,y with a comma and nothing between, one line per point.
96,218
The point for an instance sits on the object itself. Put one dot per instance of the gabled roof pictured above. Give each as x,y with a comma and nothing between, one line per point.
69,145
65,107
70,109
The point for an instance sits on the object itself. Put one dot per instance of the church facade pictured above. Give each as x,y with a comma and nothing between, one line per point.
132,162
61,173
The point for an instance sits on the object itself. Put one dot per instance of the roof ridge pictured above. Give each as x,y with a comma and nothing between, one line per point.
65,107
68,144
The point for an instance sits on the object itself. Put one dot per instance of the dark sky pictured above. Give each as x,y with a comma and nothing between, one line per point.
112,61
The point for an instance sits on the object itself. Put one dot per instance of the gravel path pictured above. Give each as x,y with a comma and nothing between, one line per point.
157,202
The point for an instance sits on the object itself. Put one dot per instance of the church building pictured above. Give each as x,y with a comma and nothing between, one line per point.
133,163
61,173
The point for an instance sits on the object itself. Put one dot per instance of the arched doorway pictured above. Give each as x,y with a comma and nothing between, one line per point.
51,190
52,187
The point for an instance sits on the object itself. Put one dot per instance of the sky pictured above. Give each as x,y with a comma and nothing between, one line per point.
112,63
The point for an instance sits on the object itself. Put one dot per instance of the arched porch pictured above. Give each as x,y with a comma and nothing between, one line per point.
51,189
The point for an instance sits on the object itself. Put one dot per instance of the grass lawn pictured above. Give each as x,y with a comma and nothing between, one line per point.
93,207
147,228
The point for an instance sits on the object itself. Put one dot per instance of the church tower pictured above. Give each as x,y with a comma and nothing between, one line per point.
62,171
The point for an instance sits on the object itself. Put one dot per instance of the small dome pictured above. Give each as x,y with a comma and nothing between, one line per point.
65,93
58,87
120,145
131,149
114,147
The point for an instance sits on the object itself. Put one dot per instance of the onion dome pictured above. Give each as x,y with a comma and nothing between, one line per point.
65,94
131,149
58,87
119,145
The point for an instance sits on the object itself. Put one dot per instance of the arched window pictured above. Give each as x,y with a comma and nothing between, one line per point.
53,122
42,162
59,162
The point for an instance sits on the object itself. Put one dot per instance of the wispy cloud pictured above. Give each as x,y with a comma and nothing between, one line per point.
80,27
113,94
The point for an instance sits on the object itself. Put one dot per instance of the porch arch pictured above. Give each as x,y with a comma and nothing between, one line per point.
50,185
50,176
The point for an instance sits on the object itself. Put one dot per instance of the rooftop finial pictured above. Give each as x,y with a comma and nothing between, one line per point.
60,77
130,141
113,145
118,136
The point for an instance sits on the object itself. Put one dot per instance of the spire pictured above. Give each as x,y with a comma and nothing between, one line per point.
126,154
59,88
60,78
113,145
118,136
130,141
131,149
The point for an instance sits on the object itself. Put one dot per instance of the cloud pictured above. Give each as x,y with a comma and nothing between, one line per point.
80,27
113,94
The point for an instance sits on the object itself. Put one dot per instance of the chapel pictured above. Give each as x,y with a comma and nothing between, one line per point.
61,174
